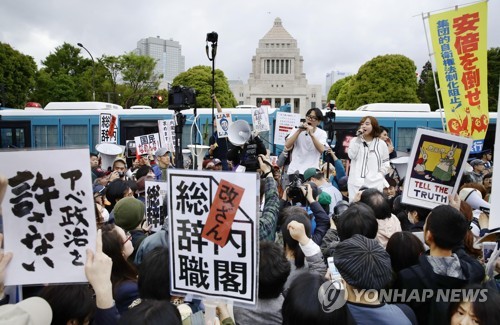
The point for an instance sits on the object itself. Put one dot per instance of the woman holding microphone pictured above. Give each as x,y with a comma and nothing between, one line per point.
369,158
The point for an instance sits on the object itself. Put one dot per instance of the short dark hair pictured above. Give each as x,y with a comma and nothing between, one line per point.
274,269
295,213
317,111
447,225
404,248
301,305
142,171
421,212
360,219
151,311
93,154
486,311
69,302
377,201
116,190
154,277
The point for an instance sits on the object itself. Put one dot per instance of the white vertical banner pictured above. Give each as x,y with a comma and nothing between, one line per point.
108,128
166,130
285,123
260,118
155,203
48,215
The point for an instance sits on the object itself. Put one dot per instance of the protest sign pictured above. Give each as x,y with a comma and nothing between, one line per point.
285,123
166,130
224,120
155,204
436,163
260,118
147,144
213,268
48,215
108,128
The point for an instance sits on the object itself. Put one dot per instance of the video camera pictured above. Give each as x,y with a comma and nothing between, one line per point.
294,191
180,98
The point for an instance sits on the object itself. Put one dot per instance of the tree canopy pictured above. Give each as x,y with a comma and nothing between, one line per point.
493,78
426,91
17,77
384,79
200,78
336,87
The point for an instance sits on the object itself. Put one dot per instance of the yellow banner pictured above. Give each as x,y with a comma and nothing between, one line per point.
459,43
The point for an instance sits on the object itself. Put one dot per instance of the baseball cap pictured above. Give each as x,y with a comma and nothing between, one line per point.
161,152
476,162
216,161
30,311
310,172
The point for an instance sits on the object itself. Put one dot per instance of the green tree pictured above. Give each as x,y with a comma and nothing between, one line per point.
200,78
384,79
341,99
493,78
426,91
335,88
17,77
113,67
138,75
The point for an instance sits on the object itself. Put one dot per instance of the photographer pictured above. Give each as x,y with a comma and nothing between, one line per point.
308,142
306,196
247,154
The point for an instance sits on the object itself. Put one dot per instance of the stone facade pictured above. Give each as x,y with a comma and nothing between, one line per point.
277,75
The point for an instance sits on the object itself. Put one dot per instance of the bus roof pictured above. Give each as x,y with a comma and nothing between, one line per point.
395,107
69,106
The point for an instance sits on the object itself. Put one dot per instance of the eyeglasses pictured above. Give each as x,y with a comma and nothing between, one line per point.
312,117
129,237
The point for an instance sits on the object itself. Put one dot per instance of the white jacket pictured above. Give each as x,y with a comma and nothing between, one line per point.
369,163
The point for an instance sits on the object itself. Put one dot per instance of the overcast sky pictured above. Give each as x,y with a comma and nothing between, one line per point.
331,34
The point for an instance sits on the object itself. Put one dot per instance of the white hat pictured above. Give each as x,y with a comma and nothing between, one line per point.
31,311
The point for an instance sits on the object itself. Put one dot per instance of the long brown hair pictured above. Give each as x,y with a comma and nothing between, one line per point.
375,126
112,245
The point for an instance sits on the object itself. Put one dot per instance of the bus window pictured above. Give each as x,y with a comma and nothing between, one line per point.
75,135
45,136
405,139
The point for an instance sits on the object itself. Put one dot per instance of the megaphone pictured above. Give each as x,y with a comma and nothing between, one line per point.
199,153
401,165
108,153
239,132
186,158
474,198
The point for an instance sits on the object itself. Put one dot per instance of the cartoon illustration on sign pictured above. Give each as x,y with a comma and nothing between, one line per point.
446,167
420,166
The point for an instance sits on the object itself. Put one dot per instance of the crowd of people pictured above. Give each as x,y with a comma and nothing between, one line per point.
310,212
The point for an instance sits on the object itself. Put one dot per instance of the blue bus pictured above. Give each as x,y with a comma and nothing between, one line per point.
77,124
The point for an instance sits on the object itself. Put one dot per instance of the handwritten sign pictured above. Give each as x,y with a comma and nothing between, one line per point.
108,128
200,266
224,120
49,217
156,208
166,130
435,167
260,118
222,211
285,123
146,144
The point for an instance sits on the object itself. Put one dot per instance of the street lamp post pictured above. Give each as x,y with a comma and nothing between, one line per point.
93,69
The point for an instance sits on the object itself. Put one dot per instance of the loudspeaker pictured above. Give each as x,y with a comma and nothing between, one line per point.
474,198
401,165
239,132
108,153
199,153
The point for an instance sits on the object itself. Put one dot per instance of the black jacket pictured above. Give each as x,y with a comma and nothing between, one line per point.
422,276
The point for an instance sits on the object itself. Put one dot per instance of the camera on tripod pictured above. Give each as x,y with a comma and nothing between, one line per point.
180,98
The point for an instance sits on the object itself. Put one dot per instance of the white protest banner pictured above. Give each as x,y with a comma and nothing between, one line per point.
260,118
48,215
108,128
147,144
166,130
285,123
155,203
436,163
224,120
213,239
